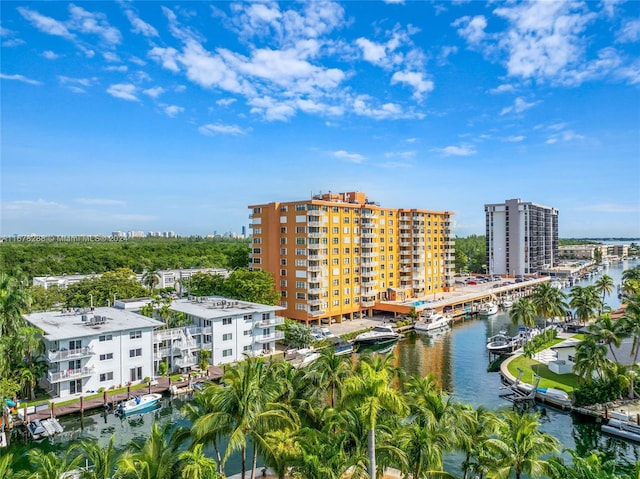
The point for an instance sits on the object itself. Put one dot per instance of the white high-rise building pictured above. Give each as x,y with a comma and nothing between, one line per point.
522,237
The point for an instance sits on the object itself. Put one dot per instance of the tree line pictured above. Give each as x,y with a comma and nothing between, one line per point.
48,258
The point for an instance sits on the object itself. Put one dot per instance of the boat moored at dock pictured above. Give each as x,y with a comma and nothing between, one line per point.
380,334
432,323
138,404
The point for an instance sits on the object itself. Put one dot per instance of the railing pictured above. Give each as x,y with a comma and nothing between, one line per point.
316,290
368,304
316,235
267,338
367,274
186,362
369,235
314,223
317,269
317,312
369,282
69,353
265,323
372,216
68,374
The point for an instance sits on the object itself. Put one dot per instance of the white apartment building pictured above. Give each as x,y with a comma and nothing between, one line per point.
91,349
230,329
109,347
168,278
522,238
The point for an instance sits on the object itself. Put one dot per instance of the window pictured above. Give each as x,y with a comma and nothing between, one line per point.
283,230
283,209
106,377
301,229
283,261
283,272
301,240
105,337
301,262
227,352
345,230
301,307
227,336
257,250
134,353
301,296
226,321
301,252
247,348
136,374
135,334
248,332
346,219
257,260
105,357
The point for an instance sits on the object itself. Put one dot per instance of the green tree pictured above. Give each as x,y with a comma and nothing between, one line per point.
630,323
523,311
150,279
155,458
590,358
606,331
604,285
519,446
46,299
593,466
586,301
203,359
370,392
206,284
296,334
327,374
103,460
548,301
14,301
195,465
253,286
49,465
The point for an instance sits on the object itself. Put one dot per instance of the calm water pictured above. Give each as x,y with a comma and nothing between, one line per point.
457,358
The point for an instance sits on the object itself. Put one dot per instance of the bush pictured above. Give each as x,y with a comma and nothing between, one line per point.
598,391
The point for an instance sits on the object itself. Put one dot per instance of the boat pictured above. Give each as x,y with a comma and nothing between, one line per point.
506,303
304,357
620,425
52,426
341,347
488,309
381,334
432,323
36,430
502,343
138,404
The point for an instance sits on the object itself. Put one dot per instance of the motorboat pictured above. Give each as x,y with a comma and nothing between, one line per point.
432,323
620,425
138,404
341,347
52,426
304,357
380,334
488,309
502,343
506,303
36,430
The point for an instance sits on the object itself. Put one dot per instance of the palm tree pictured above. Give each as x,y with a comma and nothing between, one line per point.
5,465
549,301
370,392
156,458
523,311
585,300
630,323
328,372
195,465
606,331
51,466
150,278
14,301
591,357
519,446
594,466
102,459
477,425
604,285
239,407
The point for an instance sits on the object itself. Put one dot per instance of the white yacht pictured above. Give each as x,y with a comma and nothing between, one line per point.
488,309
383,333
432,323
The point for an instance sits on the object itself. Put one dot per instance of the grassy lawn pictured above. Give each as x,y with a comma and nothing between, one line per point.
565,382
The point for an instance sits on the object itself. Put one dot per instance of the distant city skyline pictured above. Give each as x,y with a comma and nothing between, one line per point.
154,117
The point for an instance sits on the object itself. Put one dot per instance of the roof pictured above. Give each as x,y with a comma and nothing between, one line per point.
59,325
219,307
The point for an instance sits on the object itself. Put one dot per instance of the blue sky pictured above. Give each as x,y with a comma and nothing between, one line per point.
161,116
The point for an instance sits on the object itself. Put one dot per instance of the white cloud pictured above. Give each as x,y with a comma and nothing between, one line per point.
173,110
272,109
111,57
100,202
414,79
94,23
76,85
46,24
14,42
514,139
211,129
471,28
371,51
154,92
630,31
49,55
518,106
225,101
345,155
28,206
117,68
166,57
504,88
140,26
124,91
21,78
463,150
565,136
400,154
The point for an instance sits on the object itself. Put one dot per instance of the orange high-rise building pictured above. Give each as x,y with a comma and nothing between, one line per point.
336,256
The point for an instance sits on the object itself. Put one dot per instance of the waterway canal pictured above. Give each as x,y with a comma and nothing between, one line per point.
457,358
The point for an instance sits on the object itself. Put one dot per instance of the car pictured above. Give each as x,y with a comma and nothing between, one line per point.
506,283
497,285
473,282
520,280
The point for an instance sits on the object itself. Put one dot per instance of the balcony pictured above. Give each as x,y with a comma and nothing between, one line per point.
315,302
65,354
69,374
406,260
316,290
368,254
367,304
368,262
317,269
267,338
317,312
314,223
368,274
369,235
368,282
265,323
316,235
186,362
316,256
405,269
372,216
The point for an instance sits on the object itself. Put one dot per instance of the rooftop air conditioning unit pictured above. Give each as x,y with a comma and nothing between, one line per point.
84,317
